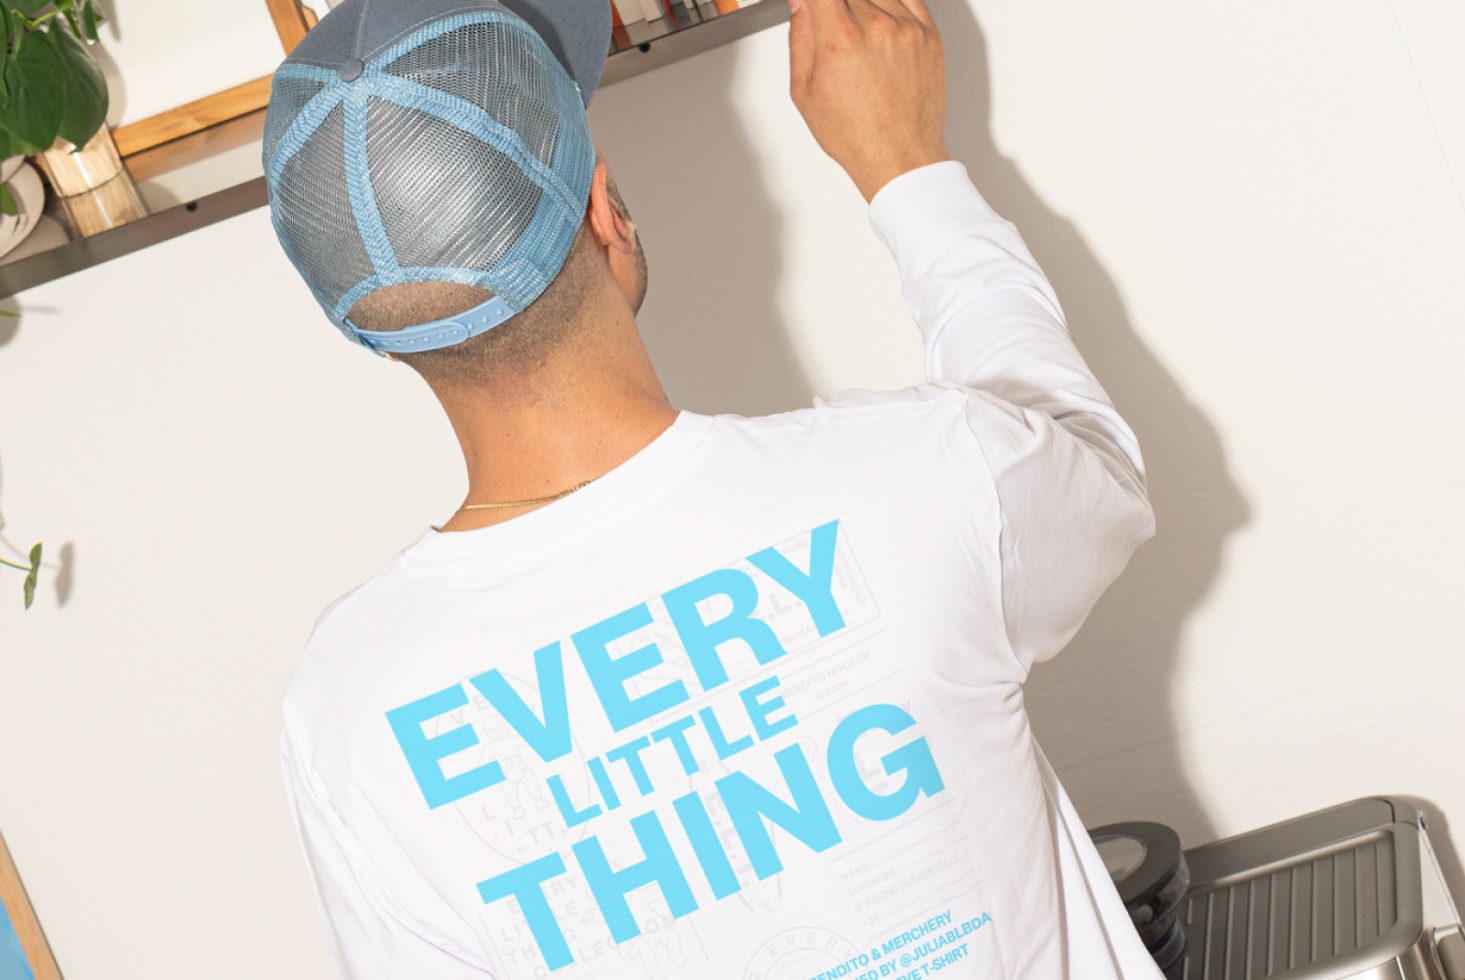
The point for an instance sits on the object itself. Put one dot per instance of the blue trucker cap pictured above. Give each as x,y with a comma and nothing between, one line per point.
435,140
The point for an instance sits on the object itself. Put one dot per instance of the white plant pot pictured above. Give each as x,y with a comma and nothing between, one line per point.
30,197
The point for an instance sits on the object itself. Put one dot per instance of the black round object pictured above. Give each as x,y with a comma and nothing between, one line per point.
1150,873
1170,948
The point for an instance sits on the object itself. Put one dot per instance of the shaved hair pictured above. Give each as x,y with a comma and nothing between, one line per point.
521,343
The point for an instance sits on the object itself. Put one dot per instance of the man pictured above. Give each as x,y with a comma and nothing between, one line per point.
677,695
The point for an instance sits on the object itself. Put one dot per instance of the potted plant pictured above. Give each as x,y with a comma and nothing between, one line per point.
53,97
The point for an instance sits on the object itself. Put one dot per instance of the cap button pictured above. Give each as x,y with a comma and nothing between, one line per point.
350,70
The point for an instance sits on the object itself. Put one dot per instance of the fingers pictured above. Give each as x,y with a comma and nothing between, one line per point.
800,43
903,10
920,12
826,16
811,22
862,10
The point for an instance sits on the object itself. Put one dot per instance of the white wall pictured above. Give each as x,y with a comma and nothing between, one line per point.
159,54
1250,217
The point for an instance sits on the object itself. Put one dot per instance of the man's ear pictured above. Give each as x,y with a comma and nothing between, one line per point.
611,228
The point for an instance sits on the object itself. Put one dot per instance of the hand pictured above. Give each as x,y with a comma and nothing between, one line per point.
869,78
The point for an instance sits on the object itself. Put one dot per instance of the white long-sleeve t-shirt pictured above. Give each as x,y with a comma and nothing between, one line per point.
750,705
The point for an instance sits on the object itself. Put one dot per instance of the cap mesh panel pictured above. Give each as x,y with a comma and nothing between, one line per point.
452,205
498,69
453,200
287,97
313,214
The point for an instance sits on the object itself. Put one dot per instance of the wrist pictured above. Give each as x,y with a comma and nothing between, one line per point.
869,181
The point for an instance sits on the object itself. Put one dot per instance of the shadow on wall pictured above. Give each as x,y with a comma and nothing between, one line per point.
1104,709
691,224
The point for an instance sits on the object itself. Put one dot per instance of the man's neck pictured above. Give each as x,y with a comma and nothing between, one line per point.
529,441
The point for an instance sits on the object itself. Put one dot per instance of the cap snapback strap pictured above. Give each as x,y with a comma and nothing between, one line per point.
438,333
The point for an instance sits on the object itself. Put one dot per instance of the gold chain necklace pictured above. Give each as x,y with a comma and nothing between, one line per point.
500,505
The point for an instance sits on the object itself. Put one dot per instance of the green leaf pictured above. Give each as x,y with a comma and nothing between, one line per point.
32,575
30,7
86,90
91,16
14,34
12,147
12,27
37,94
7,201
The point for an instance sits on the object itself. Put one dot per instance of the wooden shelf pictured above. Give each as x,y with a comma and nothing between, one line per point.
200,163
193,117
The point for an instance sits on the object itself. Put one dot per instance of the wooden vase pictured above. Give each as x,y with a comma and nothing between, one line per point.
94,189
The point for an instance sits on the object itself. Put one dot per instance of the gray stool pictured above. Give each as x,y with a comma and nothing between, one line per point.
1353,891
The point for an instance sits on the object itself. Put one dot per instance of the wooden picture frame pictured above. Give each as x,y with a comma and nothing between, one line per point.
225,119
23,945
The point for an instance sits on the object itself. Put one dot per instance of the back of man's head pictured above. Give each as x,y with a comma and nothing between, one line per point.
429,164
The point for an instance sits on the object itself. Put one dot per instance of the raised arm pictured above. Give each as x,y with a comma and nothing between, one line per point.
869,78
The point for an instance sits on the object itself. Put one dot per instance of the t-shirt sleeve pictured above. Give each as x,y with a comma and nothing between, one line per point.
1065,468
369,936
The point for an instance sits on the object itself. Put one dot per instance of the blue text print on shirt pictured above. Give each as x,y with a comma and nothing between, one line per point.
799,806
